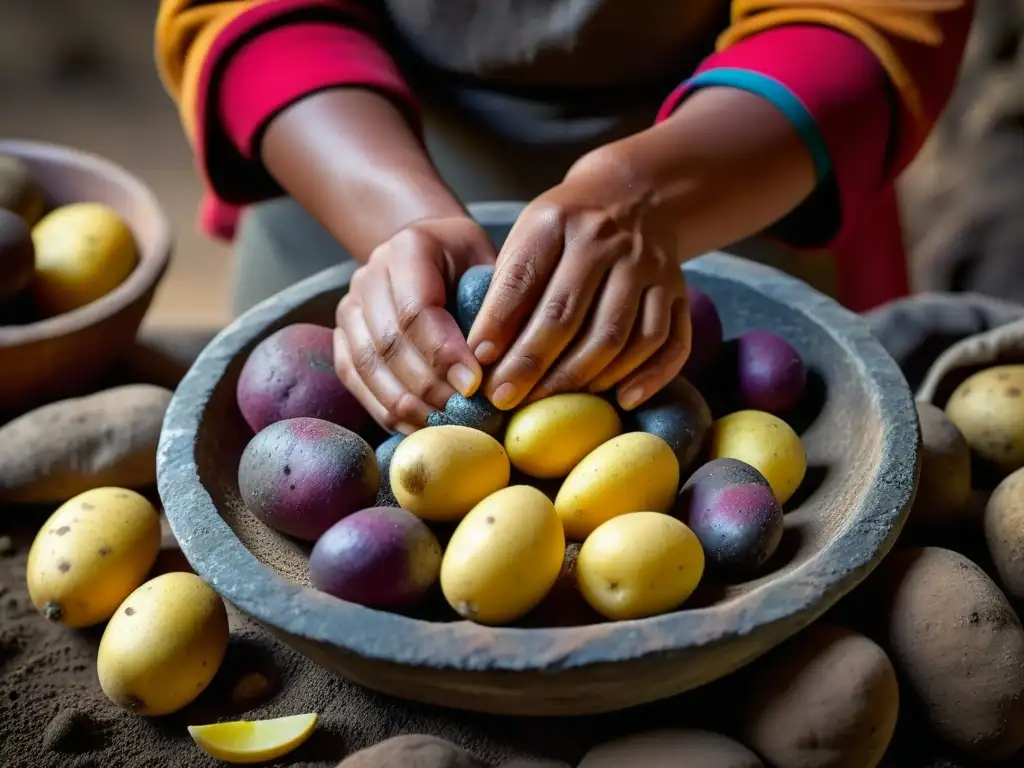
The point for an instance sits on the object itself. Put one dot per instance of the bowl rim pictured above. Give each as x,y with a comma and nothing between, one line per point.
784,605
146,274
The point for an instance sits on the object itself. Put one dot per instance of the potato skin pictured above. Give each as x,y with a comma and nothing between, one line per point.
988,408
671,748
765,442
958,646
1004,533
301,476
680,416
290,374
770,376
944,489
706,331
412,750
17,256
826,699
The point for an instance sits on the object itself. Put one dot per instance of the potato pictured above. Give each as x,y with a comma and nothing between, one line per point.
944,488
680,416
988,409
290,374
379,557
770,376
301,476
734,514
90,554
826,699
19,192
83,252
766,443
163,645
548,437
1004,533
504,556
412,751
706,335
633,472
671,748
470,293
385,452
440,473
64,448
639,564
958,646
475,412
17,257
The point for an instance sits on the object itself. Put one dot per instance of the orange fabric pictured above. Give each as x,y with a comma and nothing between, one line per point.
879,24
185,31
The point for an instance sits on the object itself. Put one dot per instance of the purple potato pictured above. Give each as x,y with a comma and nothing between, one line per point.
301,476
679,416
290,374
382,557
706,332
734,513
770,376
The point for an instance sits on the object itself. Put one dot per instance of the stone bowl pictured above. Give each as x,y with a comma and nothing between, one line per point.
862,445
66,355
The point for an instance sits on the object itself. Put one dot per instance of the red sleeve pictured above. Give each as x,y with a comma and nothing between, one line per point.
266,60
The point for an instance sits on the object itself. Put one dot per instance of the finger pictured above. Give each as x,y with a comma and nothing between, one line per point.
524,265
394,348
663,366
649,333
556,320
402,404
605,337
353,383
418,296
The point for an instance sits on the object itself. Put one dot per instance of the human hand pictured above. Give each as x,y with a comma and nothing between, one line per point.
587,295
396,347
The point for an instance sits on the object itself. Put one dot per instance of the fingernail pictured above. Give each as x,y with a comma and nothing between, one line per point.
485,352
462,379
630,398
504,396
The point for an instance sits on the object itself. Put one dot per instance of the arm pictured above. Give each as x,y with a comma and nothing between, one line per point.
299,96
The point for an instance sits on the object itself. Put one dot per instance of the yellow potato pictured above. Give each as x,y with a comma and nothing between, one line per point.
164,645
440,473
83,252
551,436
766,443
504,557
640,564
988,409
90,554
633,472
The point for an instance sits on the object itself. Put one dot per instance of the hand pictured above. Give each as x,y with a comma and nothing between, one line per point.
587,295
396,347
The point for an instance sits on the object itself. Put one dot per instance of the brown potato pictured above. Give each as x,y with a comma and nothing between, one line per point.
1004,533
958,647
414,751
670,748
944,489
826,699
988,409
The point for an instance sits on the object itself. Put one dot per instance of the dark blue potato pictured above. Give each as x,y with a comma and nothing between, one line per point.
734,513
469,296
476,412
384,452
679,416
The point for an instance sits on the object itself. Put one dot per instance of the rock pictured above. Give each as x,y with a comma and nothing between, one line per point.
64,448
415,751
672,748
826,699
72,731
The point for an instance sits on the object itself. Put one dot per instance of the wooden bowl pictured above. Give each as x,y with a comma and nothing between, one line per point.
863,451
65,355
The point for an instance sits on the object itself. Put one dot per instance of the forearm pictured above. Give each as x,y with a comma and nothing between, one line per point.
726,165
350,157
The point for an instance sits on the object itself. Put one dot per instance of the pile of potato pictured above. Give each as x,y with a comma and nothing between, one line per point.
498,508
57,261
